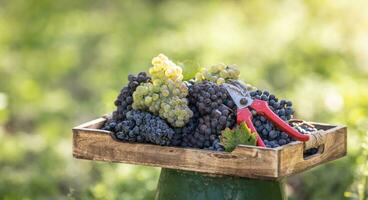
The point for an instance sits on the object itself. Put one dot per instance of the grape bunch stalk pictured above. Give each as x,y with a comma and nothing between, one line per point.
166,94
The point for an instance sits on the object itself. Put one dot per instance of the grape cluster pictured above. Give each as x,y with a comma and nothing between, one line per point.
214,112
166,95
143,127
165,110
124,101
208,97
271,135
192,136
218,74
210,127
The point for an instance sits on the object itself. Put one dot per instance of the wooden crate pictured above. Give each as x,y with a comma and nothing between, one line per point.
90,143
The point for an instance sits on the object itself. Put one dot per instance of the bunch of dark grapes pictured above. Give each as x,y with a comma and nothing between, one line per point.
214,111
124,101
208,96
143,127
270,134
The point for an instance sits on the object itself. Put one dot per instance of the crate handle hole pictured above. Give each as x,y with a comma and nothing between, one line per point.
313,152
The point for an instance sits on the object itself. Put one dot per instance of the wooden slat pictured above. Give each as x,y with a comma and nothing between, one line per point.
245,161
92,145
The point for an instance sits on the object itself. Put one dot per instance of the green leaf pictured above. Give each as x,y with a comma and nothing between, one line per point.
230,138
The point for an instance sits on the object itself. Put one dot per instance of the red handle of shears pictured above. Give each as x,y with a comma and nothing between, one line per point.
261,107
244,115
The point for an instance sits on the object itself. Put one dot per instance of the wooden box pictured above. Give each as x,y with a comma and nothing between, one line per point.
245,161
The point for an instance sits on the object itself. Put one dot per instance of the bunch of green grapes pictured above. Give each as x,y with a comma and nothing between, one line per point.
166,94
218,74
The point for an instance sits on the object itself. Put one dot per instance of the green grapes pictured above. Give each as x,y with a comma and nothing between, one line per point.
218,74
166,94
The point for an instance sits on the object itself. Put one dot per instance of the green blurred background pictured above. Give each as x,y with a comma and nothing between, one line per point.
63,63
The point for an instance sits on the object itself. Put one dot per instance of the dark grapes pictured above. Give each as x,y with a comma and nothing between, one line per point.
270,134
135,126
207,96
143,127
124,101
214,111
216,146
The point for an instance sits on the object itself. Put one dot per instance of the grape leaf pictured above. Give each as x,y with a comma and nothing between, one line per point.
230,138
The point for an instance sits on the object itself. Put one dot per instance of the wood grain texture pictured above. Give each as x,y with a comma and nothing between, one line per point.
245,161
334,147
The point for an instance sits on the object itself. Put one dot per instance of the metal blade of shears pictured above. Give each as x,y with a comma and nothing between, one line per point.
239,95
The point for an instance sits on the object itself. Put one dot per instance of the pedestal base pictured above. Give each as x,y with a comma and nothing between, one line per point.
183,185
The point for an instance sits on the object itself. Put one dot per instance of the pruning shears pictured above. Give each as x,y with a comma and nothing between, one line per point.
240,95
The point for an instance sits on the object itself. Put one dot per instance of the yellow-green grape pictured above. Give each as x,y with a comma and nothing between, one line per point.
220,81
166,94
163,69
218,74
148,100
155,97
157,82
199,77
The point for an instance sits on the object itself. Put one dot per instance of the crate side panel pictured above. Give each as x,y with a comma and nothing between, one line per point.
254,163
291,157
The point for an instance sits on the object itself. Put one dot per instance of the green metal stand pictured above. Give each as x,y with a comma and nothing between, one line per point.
183,185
